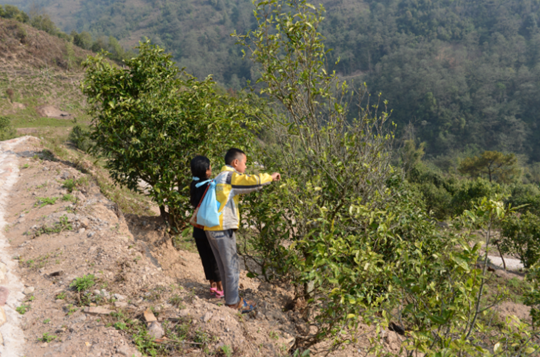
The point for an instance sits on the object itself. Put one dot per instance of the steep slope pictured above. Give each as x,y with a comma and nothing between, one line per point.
39,79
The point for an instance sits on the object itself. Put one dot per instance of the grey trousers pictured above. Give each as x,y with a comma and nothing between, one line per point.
223,245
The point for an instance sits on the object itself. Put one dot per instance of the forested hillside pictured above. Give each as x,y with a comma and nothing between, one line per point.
463,73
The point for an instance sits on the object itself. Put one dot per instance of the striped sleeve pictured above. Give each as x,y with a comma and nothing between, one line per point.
242,183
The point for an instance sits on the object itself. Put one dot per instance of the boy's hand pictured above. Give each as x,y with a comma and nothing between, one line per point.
276,176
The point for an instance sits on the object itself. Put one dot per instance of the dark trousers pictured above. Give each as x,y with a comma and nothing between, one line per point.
211,270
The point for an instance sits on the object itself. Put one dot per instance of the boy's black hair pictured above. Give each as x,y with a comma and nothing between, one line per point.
233,154
199,166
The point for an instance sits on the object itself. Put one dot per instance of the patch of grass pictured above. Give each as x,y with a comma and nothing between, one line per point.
184,241
273,335
177,301
69,198
60,226
46,321
47,338
23,309
44,201
181,335
227,350
84,283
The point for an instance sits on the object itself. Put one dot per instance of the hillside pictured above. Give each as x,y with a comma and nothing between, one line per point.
39,79
463,74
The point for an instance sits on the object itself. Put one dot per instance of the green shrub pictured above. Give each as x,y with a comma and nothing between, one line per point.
470,192
6,130
44,201
80,138
527,195
521,236
152,119
84,283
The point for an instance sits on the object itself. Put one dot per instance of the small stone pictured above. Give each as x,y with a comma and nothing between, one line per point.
84,222
119,297
1,339
98,310
121,304
183,313
81,230
3,268
4,293
126,351
90,235
3,317
149,316
155,330
2,276
207,316
28,290
52,272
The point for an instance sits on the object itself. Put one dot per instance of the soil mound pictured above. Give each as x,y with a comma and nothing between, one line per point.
50,111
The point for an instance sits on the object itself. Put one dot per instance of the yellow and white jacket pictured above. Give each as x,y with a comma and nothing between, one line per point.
229,185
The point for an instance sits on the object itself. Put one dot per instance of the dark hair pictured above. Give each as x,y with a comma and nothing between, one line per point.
199,166
233,154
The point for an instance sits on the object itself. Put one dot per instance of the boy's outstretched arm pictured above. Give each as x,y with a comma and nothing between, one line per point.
242,183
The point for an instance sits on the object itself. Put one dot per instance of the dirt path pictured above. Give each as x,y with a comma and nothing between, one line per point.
11,334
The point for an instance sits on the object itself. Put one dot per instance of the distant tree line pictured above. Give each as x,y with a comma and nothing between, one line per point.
463,73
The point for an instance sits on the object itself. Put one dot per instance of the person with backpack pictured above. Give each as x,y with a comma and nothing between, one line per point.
202,171
229,185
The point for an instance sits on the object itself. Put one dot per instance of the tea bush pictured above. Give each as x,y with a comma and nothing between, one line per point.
151,119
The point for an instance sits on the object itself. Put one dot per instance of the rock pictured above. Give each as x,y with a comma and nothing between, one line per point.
3,317
78,318
120,304
97,310
81,231
28,290
119,297
4,293
52,272
3,268
2,276
126,351
207,316
1,339
149,316
155,330
90,235
184,313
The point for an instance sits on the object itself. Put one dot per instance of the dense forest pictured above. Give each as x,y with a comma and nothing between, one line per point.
461,76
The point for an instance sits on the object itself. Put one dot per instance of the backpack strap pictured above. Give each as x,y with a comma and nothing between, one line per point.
193,219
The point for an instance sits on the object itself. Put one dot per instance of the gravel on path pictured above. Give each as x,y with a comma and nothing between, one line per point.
11,334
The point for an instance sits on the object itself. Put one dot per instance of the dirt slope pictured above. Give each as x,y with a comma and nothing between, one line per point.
23,45
56,240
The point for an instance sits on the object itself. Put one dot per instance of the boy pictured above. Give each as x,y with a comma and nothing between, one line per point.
231,183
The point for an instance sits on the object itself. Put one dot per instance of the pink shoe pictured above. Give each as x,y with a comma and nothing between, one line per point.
213,291
219,294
